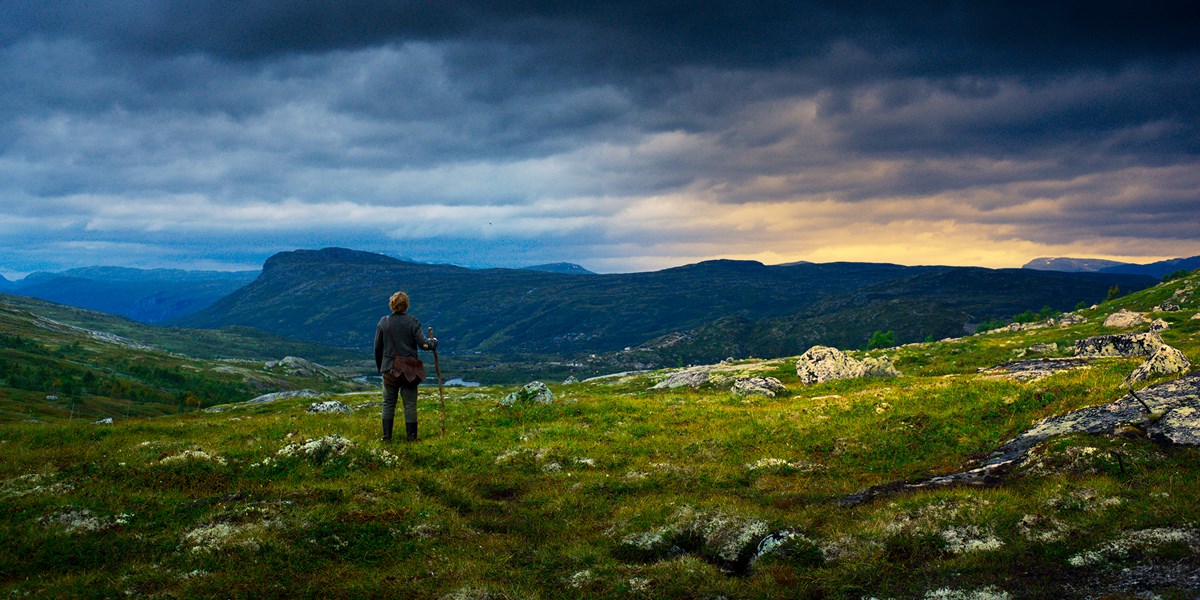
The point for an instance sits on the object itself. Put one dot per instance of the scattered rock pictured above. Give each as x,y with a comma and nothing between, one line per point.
1124,344
1043,348
1166,306
571,379
1159,326
1165,361
688,378
1195,316
104,421
759,386
1124,318
535,392
329,406
1070,319
822,363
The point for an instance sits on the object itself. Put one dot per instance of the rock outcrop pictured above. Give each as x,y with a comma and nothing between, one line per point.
1124,318
1174,418
300,367
1123,344
1165,361
822,363
759,386
534,392
265,398
1035,369
728,541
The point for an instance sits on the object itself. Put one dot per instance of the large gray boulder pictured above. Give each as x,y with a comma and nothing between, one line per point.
759,386
534,392
1165,361
1124,344
1124,318
822,363
690,378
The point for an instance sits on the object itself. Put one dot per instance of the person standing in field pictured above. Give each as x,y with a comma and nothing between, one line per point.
398,336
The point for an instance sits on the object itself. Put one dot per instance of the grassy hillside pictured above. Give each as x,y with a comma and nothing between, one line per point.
78,368
619,491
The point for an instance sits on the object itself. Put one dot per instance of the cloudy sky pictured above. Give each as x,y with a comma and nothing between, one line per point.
623,136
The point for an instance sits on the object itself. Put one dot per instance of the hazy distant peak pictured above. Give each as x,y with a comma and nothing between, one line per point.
560,267
1071,265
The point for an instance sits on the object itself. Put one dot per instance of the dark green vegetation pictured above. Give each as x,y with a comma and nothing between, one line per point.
694,314
149,296
58,361
617,491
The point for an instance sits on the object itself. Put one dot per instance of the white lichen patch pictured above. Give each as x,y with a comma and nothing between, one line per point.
1142,540
81,520
387,458
580,578
508,456
1084,499
190,455
220,536
32,484
781,464
987,593
932,517
318,448
967,539
1038,528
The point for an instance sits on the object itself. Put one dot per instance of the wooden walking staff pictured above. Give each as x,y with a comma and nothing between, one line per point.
437,368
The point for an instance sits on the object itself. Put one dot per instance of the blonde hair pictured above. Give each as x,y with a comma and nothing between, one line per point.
398,302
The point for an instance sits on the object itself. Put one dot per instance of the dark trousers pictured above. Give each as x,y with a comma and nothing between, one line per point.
408,394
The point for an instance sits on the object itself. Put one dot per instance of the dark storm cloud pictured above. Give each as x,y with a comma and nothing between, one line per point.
497,123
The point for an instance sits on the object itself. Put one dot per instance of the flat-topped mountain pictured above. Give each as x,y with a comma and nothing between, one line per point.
1099,265
713,308
561,267
1071,265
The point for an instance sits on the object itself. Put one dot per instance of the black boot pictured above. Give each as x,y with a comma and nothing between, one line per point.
387,430
411,429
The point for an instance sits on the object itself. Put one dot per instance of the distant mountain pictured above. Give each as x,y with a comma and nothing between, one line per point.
561,267
712,309
1157,269
1071,265
5,284
149,296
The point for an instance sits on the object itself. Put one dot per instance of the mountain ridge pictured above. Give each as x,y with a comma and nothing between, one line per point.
335,296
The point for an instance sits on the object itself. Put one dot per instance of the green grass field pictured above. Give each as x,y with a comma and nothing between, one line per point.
617,491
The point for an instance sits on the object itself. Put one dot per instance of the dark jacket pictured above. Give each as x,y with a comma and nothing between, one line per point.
406,332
